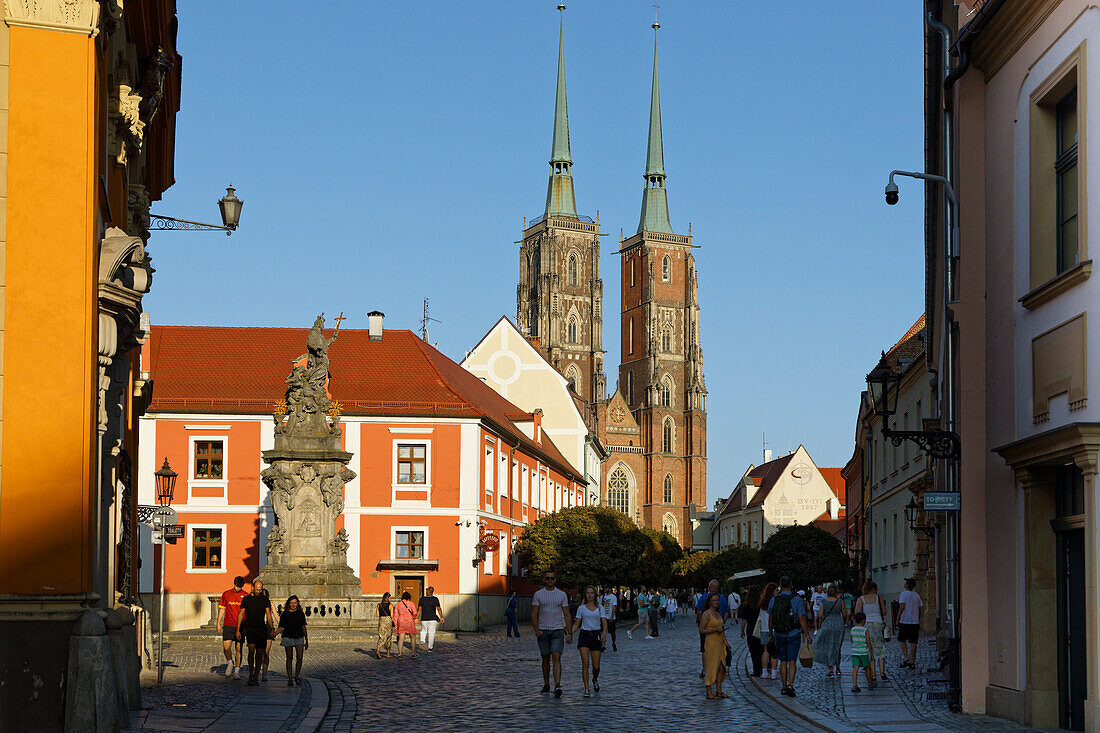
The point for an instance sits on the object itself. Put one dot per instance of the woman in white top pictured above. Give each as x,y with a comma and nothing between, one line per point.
771,653
670,612
593,627
871,603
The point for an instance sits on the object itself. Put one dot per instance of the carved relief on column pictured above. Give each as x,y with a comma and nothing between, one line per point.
125,128
138,205
67,16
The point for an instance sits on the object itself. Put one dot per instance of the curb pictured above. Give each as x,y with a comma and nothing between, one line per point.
318,706
815,719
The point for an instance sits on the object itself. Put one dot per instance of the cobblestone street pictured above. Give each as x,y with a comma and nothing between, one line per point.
491,681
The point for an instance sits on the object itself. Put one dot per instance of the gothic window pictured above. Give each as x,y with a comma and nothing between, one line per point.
572,270
631,272
630,388
666,269
666,339
630,336
572,376
666,392
666,436
618,490
668,488
670,525
572,335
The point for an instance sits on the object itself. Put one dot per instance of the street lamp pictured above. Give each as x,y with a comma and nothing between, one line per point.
165,483
165,479
229,205
911,517
884,384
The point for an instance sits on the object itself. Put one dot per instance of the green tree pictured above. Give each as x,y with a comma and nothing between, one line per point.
807,554
686,570
583,545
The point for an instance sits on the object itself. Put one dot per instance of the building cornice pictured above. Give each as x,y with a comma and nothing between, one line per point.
65,16
1007,31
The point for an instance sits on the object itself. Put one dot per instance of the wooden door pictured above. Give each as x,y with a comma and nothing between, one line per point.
414,585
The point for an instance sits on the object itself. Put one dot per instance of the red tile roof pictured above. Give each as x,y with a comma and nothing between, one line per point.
836,481
209,369
764,477
835,527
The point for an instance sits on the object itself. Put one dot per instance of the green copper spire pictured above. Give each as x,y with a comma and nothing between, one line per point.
559,190
654,199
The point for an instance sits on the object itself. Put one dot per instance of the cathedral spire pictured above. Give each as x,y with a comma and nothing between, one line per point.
654,216
559,190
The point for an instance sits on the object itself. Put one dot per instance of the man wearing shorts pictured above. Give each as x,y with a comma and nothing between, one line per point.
787,616
609,606
229,608
553,627
908,624
256,618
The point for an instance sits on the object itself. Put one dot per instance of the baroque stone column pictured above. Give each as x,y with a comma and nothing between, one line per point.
306,555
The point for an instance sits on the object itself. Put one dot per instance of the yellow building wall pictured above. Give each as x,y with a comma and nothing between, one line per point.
49,313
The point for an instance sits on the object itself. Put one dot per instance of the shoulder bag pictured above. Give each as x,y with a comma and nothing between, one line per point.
885,621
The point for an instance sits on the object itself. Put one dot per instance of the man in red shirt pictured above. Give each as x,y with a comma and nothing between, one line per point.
229,609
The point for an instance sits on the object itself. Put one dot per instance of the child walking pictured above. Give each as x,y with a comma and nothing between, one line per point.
862,655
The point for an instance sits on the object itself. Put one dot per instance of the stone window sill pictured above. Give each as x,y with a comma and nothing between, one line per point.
1054,287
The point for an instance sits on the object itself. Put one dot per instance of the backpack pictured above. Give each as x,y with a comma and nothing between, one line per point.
782,618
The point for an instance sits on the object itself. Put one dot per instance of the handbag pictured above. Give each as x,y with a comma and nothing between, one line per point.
806,655
885,626
756,629
729,655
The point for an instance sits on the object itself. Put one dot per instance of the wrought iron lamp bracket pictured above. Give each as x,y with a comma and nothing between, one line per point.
935,443
170,223
145,514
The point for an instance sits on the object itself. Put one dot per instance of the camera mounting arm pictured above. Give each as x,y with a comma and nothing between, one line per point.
928,177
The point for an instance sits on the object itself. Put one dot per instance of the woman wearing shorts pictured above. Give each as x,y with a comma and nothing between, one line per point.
593,627
874,607
292,625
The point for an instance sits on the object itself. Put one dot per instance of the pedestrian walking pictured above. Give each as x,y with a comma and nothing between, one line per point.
849,603
733,603
609,607
816,599
748,614
229,610
770,657
404,622
863,655
252,626
295,642
385,627
430,614
593,634
700,606
553,627
670,612
270,639
641,602
654,614
874,608
662,606
908,626
832,620
712,629
510,616
787,615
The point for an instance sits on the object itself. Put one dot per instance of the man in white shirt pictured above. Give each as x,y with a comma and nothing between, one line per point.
908,623
817,599
553,627
609,607
734,602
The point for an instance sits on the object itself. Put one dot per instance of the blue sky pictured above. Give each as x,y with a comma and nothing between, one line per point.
388,152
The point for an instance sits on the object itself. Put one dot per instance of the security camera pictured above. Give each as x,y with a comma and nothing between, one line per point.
891,193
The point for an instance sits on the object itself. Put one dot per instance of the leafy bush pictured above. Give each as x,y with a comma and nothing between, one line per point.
809,555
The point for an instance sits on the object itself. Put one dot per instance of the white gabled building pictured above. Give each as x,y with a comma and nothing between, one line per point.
513,367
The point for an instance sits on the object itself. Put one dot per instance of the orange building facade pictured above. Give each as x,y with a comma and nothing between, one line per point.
91,91
441,460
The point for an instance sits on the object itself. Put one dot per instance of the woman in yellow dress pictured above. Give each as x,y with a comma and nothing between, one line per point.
713,628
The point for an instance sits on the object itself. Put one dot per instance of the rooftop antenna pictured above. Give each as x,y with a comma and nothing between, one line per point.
763,444
425,320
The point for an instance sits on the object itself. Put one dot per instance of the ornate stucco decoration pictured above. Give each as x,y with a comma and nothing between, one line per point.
126,129
67,16
138,204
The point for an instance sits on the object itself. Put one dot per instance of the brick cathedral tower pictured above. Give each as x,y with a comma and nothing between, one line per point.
559,301
661,369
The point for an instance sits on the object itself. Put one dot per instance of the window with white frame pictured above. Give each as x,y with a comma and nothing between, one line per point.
488,478
526,486
503,554
408,544
205,548
209,456
502,475
412,463
515,480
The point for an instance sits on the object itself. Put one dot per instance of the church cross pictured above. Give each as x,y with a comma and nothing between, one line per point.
339,318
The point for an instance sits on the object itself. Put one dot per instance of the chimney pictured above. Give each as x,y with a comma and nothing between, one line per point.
834,508
767,454
537,415
374,325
